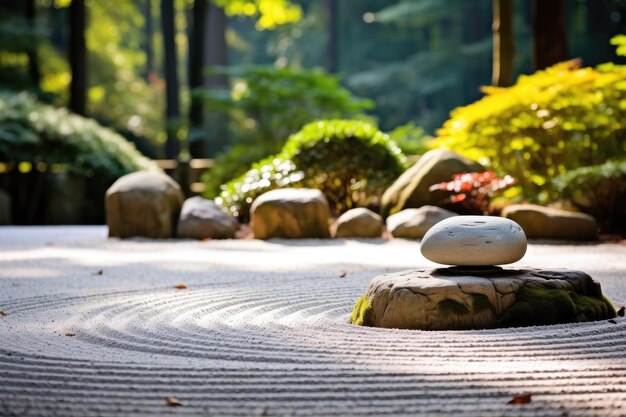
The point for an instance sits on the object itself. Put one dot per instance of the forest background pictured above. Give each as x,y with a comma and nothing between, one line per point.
232,79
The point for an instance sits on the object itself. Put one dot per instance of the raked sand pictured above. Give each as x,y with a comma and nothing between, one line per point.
261,329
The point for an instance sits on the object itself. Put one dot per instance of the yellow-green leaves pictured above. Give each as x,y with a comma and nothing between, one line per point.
271,13
546,124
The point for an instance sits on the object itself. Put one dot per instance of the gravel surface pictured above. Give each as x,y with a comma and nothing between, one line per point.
97,327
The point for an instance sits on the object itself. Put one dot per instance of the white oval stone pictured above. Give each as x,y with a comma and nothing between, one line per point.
474,240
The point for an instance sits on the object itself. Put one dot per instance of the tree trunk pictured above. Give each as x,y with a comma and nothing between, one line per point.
78,57
331,44
215,54
549,36
149,33
172,103
33,61
196,58
216,51
503,43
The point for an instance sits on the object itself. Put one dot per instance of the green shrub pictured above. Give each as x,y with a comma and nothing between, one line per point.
350,161
546,124
33,132
264,105
411,138
599,190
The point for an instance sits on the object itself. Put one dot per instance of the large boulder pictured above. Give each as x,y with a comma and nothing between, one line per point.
358,222
453,299
413,223
410,190
5,208
293,213
143,204
201,218
540,222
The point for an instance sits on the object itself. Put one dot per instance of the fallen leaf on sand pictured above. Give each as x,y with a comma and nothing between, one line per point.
620,312
172,402
2,313
343,274
520,399
98,272
70,334
181,287
612,321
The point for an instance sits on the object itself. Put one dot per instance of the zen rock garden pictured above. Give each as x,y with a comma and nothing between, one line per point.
473,292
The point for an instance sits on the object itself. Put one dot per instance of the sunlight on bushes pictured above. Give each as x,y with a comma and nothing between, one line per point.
350,161
546,124
33,133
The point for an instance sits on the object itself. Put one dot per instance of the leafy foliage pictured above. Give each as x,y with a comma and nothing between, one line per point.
474,190
599,190
117,93
271,13
350,161
266,105
411,139
620,42
547,123
32,132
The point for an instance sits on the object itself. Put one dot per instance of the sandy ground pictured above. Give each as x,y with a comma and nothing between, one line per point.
96,327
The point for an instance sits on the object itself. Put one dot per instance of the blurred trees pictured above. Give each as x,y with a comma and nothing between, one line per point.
78,57
549,33
172,99
415,59
503,45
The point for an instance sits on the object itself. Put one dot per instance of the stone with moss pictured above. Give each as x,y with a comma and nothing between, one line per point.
472,298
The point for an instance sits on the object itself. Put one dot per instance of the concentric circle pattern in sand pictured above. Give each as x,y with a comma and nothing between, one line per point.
266,340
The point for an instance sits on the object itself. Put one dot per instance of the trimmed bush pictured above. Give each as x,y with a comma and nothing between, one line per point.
33,132
350,161
599,190
64,162
264,106
546,124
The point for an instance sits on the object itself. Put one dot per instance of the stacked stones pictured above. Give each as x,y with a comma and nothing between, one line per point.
474,293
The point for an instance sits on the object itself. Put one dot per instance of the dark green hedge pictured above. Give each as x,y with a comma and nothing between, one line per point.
34,132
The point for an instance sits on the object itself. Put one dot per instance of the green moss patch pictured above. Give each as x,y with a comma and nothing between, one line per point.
541,306
480,302
361,315
451,307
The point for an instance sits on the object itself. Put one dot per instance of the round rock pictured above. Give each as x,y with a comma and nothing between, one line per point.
291,213
446,299
474,240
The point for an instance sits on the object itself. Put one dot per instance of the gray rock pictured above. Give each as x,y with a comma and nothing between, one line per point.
541,222
449,299
414,223
293,213
410,190
5,208
474,240
358,222
201,218
143,204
